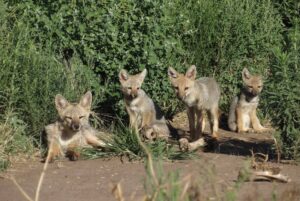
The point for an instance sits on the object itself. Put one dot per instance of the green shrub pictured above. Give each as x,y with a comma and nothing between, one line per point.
111,35
223,37
31,76
101,37
283,94
108,35
13,139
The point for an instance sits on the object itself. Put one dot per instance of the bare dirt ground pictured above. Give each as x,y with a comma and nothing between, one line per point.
92,180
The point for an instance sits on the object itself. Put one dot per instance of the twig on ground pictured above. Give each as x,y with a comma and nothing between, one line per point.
38,189
117,192
21,189
39,186
261,170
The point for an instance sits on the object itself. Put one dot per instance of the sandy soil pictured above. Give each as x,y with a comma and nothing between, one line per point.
93,179
217,168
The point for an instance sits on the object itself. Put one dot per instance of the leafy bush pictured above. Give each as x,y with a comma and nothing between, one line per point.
108,35
31,76
223,37
283,93
13,139
41,38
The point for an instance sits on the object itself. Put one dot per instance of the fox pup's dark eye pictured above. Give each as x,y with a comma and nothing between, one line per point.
250,87
176,88
129,88
138,88
68,117
186,88
259,87
81,117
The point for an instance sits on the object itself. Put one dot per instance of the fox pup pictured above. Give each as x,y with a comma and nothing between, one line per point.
158,130
242,112
72,130
142,112
199,96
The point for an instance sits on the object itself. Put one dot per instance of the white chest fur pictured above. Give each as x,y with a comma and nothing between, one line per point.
134,105
76,138
247,107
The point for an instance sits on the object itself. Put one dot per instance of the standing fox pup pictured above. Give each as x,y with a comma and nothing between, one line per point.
143,114
242,112
199,96
72,130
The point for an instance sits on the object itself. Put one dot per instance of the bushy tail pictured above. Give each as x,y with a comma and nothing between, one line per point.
232,115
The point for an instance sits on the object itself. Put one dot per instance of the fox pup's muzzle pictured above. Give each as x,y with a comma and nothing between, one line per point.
134,93
181,96
75,126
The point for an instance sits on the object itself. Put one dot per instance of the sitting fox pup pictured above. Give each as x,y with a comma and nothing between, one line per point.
242,112
143,114
199,96
72,130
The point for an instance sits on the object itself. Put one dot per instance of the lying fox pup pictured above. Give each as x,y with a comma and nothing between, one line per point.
199,96
242,112
143,114
72,130
158,130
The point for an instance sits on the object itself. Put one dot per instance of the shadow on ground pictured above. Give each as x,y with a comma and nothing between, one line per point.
229,142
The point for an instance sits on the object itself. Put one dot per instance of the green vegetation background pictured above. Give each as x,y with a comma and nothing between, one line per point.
69,47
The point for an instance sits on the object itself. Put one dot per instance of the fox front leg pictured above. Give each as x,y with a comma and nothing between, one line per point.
191,117
72,151
94,141
54,151
257,127
133,119
200,124
214,119
240,121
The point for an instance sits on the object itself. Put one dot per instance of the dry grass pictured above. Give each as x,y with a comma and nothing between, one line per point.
39,185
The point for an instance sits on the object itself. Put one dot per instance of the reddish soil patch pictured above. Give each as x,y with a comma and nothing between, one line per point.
92,179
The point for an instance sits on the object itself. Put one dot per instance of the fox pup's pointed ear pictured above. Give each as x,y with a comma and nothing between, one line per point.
60,102
172,72
191,72
123,75
246,74
143,75
86,100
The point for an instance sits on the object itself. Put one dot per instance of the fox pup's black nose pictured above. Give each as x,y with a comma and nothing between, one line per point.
76,126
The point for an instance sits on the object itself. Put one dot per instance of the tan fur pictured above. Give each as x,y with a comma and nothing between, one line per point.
158,130
200,96
72,130
242,114
140,108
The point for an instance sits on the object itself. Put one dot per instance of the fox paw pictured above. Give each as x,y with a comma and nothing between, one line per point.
72,155
183,144
245,131
215,135
264,130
